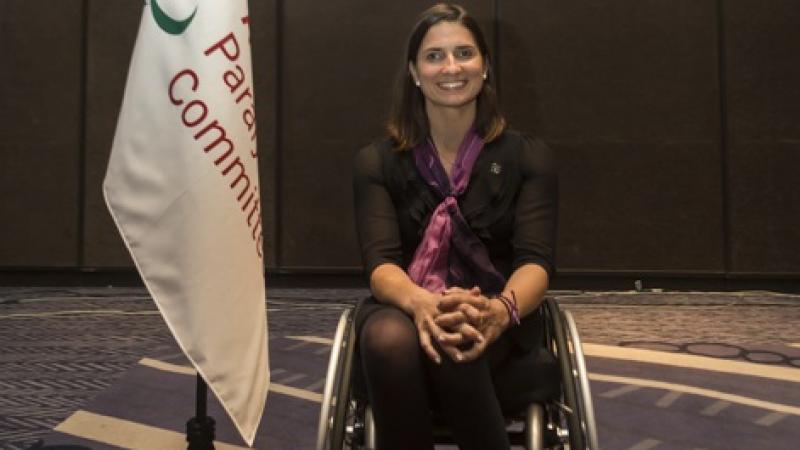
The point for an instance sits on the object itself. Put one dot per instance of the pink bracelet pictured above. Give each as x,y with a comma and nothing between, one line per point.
511,306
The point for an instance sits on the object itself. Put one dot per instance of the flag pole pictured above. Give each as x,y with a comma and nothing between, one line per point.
200,428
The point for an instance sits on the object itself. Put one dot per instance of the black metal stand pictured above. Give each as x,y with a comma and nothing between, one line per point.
200,429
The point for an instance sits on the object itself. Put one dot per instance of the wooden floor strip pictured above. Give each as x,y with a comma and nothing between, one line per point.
718,395
692,362
127,434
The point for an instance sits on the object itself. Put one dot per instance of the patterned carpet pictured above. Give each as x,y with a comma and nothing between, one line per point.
72,349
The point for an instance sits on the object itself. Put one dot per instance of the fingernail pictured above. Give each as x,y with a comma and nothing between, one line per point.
459,357
438,359
440,338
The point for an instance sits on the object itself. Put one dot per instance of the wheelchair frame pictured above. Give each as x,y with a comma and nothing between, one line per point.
567,423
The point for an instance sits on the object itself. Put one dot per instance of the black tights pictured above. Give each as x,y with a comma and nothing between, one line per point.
399,376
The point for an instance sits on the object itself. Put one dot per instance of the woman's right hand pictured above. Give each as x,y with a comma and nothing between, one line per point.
424,309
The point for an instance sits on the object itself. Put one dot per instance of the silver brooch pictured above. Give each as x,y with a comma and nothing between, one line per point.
496,168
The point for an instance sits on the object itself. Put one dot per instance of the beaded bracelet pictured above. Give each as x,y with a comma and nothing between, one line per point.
511,306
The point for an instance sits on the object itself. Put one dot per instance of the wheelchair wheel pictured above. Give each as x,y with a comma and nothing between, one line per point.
577,399
584,393
336,396
570,407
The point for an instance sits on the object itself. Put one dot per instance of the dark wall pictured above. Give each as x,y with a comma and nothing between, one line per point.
676,124
41,107
762,75
628,94
110,29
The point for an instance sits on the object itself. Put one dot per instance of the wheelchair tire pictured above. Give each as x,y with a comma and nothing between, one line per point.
568,376
333,381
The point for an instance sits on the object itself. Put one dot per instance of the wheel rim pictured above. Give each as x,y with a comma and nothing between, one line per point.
342,400
325,416
585,394
573,414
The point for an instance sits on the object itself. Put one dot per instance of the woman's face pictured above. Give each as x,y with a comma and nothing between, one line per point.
449,68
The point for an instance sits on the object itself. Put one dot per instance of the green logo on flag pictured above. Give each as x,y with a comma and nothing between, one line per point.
167,23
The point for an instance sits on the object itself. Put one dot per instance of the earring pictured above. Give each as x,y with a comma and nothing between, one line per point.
416,82
485,75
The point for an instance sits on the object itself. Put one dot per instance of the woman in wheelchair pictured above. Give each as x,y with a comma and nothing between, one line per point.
456,218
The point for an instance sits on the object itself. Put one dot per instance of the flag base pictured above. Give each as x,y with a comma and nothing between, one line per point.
200,433
200,429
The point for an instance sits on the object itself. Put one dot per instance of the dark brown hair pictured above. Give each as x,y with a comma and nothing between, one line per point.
408,122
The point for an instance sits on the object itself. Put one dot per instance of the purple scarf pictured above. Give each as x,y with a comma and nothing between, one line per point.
450,254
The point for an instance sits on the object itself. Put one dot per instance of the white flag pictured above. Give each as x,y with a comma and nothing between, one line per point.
182,187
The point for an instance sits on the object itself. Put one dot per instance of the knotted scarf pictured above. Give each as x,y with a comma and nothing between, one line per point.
450,254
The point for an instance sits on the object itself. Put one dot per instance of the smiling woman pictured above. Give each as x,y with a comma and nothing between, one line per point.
447,64
452,292
449,68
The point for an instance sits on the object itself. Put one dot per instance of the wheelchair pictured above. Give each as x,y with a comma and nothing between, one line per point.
561,419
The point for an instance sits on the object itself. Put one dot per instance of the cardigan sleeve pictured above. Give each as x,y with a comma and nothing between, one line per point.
375,216
536,212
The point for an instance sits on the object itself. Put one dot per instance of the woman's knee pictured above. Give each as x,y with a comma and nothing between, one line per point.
389,335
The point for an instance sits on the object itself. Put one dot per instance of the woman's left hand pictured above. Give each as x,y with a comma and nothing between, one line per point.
468,311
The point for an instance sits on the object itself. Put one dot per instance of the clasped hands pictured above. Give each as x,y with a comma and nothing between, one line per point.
463,322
